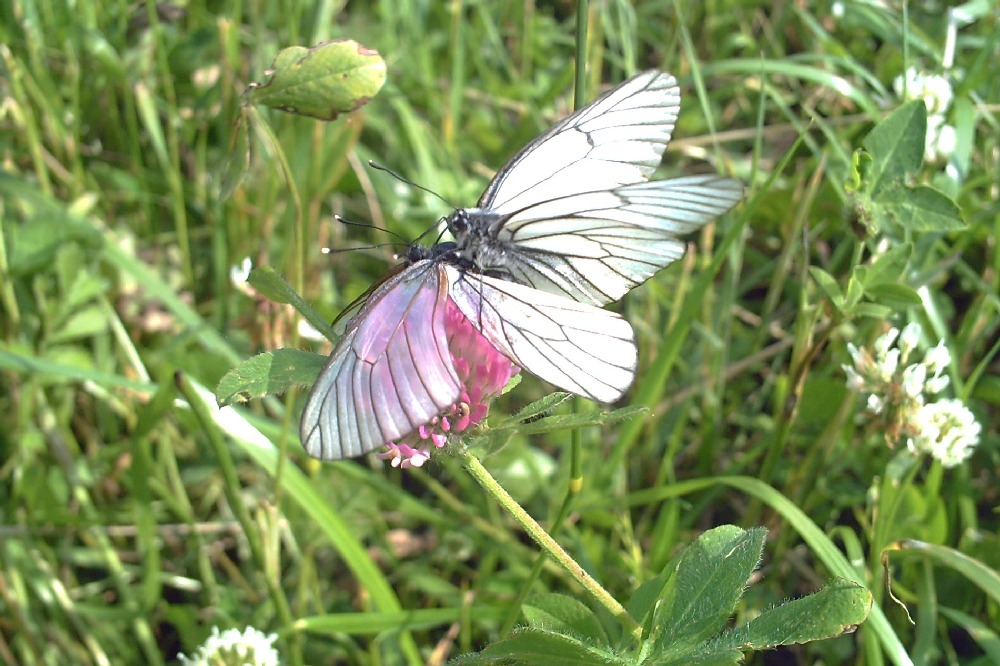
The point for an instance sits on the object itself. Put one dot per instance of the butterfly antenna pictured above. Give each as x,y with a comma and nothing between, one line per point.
338,250
365,225
395,175
369,225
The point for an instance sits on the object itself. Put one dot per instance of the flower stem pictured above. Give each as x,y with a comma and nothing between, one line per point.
547,543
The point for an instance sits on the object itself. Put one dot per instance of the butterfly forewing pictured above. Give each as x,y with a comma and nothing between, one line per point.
596,246
616,140
578,347
389,374
572,213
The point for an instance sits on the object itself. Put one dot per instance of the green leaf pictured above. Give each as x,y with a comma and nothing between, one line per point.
829,285
839,607
150,414
886,267
83,323
644,598
556,422
33,245
533,646
896,146
854,293
708,655
321,82
240,153
269,373
563,614
873,310
84,288
921,209
896,296
542,407
273,286
861,163
710,579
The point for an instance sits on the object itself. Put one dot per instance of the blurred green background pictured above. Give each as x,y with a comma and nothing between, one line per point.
125,533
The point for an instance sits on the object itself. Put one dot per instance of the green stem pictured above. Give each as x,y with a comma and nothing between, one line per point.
580,88
573,488
547,543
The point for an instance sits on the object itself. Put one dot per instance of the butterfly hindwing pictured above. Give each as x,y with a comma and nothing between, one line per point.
389,374
578,347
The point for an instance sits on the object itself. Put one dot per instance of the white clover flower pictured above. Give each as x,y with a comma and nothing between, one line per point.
887,364
946,430
937,358
884,342
914,380
855,381
939,142
898,392
238,275
935,385
908,339
855,353
232,647
933,89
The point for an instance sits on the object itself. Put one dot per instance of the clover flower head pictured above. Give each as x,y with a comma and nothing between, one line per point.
901,392
239,274
933,89
483,371
946,430
232,647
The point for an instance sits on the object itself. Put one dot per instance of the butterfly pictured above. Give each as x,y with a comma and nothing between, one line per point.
569,224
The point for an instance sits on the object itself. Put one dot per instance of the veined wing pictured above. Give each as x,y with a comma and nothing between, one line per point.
596,246
346,316
618,139
578,347
390,373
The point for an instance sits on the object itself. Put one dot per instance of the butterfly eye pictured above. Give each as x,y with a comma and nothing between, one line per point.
458,222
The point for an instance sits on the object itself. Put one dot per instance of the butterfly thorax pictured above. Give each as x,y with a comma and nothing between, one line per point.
475,231
417,252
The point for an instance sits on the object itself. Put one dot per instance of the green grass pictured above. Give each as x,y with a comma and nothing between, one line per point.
129,524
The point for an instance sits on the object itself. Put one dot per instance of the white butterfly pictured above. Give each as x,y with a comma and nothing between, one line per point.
569,224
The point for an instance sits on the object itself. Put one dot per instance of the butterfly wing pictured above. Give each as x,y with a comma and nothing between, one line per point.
617,139
390,373
578,347
596,246
347,315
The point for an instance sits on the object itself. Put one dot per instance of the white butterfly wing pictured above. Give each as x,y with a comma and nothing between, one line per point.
618,139
578,347
389,374
596,246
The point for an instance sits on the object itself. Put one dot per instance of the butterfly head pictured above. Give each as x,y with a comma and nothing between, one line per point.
458,222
